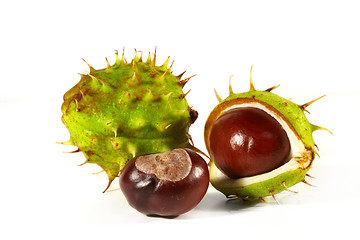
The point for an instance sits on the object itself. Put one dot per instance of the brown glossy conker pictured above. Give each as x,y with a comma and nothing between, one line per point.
165,184
247,141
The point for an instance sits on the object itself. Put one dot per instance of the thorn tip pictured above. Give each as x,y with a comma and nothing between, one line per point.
315,128
217,95
286,188
308,175
180,75
272,88
230,87
252,88
90,67
304,181
273,196
184,94
108,66
183,82
311,102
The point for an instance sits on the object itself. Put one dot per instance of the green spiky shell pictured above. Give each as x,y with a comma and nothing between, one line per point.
125,110
278,180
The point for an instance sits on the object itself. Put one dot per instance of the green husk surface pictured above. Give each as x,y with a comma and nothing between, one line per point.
125,110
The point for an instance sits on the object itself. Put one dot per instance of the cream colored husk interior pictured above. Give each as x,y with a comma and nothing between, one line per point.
298,151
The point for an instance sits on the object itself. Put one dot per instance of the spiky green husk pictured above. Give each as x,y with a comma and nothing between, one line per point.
292,116
125,110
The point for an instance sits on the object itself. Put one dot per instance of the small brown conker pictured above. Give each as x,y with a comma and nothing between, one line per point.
165,184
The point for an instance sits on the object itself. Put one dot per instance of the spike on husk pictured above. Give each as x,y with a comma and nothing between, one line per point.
108,66
217,96
252,88
272,88
165,65
315,128
184,81
90,67
180,75
304,106
148,59
136,58
230,87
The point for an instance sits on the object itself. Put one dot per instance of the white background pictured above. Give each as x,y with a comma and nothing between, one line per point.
311,48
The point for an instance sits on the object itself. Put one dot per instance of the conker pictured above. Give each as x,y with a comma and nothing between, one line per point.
165,184
247,141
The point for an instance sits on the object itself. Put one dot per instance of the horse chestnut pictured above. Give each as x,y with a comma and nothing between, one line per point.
247,141
165,184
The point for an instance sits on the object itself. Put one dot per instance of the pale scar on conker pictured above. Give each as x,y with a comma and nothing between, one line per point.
171,166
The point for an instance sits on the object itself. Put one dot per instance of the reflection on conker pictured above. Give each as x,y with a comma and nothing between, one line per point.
165,184
247,141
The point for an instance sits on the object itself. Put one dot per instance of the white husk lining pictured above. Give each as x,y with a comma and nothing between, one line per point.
298,150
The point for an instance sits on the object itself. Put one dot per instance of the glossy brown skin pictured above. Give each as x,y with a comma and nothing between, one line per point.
247,141
157,197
